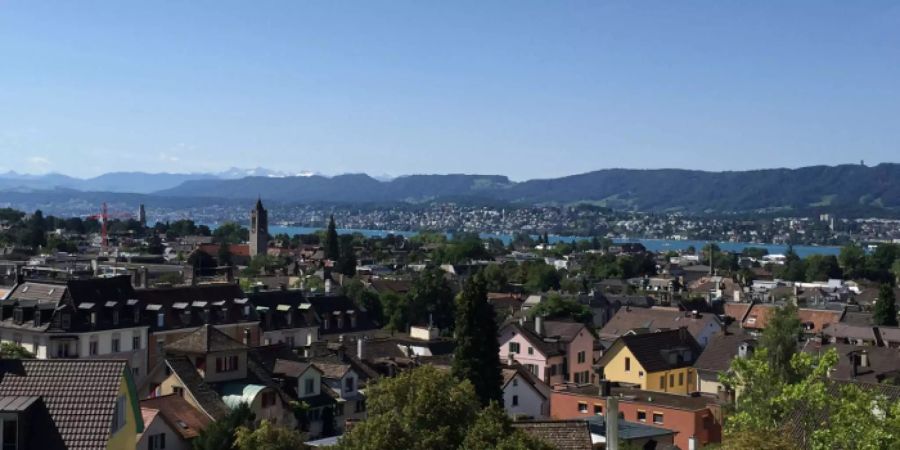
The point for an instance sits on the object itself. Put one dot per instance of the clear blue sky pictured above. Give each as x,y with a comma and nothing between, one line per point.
526,89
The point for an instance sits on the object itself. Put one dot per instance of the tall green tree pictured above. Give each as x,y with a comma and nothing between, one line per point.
852,260
885,313
477,354
346,262
332,245
780,340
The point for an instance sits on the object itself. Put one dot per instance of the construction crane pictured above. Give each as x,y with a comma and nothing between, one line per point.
104,217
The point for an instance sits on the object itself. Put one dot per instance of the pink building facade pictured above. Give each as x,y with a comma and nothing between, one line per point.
554,351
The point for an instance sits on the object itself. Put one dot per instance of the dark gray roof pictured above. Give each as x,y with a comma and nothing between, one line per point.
80,395
649,349
210,401
628,430
720,350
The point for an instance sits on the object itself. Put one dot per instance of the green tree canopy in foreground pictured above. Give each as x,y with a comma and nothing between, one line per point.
477,354
429,409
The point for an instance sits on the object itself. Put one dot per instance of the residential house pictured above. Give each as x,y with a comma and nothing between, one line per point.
524,395
216,373
170,422
304,381
756,316
286,317
66,404
716,359
852,334
554,351
338,315
175,312
660,361
343,383
702,326
687,416
863,364
78,318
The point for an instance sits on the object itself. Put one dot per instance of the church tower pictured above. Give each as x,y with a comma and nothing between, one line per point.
259,229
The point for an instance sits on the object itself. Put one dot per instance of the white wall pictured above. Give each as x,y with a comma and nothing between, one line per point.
531,403
159,426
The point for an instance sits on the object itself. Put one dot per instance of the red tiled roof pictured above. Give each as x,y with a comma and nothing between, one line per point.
178,413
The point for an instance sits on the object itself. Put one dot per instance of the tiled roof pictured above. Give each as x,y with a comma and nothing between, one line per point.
561,434
649,348
206,339
633,395
719,352
179,414
292,369
654,319
30,290
333,371
80,395
845,331
882,361
209,400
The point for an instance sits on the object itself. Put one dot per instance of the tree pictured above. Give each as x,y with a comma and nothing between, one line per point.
885,307
853,260
332,246
220,435
493,430
396,311
10,350
420,409
428,409
224,254
780,340
477,354
267,436
346,262
822,267
557,307
495,278
430,299
541,277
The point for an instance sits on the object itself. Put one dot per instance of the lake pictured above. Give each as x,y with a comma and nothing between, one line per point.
654,245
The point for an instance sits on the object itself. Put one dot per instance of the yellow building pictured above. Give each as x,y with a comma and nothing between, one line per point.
67,403
660,362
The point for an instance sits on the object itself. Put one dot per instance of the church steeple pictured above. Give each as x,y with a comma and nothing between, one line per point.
259,229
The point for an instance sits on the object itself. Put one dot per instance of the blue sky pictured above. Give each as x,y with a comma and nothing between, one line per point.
521,88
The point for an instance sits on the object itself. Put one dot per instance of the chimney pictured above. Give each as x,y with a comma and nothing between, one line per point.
692,443
95,267
612,423
539,325
360,345
145,273
864,359
328,286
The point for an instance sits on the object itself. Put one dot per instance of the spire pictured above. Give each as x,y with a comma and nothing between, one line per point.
259,202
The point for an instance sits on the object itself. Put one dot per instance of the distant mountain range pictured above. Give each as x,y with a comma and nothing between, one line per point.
853,189
129,182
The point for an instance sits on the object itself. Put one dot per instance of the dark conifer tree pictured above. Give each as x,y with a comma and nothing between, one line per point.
477,354
332,246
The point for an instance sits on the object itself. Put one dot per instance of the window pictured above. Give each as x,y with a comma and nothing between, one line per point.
532,368
10,434
530,350
681,379
662,382
515,400
226,364
514,347
640,374
119,414
18,315
178,390
657,418
137,315
581,357
157,441
115,317
66,321
582,407
553,370
160,345
361,405
349,384
268,399
627,364
515,382
116,346
160,320
642,416
308,386
339,409
135,372
598,410
671,379
93,319
289,340
136,342
93,347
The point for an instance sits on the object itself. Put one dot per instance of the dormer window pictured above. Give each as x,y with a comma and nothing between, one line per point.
93,319
18,315
137,315
66,321
115,317
160,319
